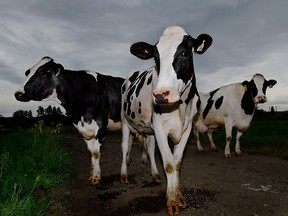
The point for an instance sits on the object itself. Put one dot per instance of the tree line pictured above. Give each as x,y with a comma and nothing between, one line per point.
24,119
53,115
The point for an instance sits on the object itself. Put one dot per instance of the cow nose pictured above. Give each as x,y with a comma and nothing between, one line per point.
18,95
261,99
162,96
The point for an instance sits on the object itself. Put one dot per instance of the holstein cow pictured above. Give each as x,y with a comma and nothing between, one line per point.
92,100
161,102
230,106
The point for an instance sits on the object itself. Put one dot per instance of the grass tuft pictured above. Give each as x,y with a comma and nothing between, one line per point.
30,165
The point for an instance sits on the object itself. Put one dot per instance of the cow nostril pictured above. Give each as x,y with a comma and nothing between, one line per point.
18,95
262,99
160,98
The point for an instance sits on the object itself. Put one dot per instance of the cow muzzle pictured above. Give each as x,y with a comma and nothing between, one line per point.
164,96
261,99
165,101
20,96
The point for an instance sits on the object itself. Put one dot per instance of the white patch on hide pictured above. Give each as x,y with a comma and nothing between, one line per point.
53,97
33,71
113,125
87,130
92,73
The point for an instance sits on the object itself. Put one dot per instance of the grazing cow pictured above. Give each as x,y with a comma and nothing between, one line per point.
230,106
92,100
161,102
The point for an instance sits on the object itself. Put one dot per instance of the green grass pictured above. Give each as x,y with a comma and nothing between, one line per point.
31,164
266,137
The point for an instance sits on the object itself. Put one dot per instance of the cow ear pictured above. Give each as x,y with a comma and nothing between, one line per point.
202,43
271,83
245,84
58,69
142,50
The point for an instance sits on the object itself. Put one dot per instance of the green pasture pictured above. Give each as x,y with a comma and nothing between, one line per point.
31,165
265,137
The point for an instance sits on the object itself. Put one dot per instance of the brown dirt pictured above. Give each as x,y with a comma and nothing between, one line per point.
212,185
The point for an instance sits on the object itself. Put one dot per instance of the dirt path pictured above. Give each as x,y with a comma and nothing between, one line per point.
248,185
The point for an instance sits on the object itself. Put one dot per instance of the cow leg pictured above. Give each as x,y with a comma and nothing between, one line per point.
196,134
212,144
178,154
228,130
237,146
144,158
93,146
150,141
172,165
130,142
126,144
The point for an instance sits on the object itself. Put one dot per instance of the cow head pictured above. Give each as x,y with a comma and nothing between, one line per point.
257,88
41,81
173,58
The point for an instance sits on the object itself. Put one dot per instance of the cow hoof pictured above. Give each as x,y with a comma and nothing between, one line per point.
227,155
176,206
156,178
94,180
201,151
215,150
124,179
238,153
173,210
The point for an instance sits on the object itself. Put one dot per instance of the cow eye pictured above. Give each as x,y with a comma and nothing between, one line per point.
185,53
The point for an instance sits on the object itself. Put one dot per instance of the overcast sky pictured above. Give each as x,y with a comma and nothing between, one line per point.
250,36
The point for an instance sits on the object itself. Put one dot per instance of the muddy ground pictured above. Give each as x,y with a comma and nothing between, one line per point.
212,185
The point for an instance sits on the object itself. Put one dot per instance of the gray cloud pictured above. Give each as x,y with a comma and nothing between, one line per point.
249,37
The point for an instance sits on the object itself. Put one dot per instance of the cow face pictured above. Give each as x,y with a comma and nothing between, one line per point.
257,88
173,58
41,81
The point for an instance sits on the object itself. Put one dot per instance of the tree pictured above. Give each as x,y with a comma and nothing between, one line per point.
40,111
49,110
58,111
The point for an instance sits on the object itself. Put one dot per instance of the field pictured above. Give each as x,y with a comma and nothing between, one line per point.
47,175
31,165
265,137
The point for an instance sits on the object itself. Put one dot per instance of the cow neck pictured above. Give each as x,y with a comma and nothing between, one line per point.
66,87
186,86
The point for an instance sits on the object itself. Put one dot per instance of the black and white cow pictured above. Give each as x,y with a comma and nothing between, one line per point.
161,102
230,106
92,101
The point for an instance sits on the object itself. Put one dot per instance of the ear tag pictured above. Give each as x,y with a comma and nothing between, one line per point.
245,88
58,72
200,48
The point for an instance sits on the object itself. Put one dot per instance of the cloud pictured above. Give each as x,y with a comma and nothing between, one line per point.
248,37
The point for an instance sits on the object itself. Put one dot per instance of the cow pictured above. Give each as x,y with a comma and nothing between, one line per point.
230,106
92,101
160,103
